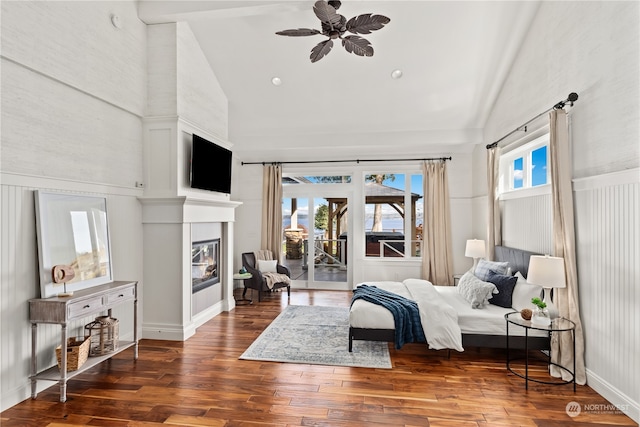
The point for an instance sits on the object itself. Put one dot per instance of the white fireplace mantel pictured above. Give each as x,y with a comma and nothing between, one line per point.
186,209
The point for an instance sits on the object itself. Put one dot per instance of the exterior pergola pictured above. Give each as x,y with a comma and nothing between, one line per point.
374,194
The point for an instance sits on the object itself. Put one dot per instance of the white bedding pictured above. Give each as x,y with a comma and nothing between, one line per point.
439,320
483,321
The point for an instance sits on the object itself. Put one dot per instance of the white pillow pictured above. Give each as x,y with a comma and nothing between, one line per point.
523,292
267,266
475,290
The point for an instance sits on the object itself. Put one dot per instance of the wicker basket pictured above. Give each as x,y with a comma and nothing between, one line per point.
77,353
103,334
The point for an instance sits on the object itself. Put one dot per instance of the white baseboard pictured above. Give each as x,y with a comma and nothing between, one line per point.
619,400
205,315
167,332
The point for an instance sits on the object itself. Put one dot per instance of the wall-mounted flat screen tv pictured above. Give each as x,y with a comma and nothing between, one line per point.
210,166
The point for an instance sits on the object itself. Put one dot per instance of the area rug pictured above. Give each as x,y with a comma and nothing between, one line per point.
316,335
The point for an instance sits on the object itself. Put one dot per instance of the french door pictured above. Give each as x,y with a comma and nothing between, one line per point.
315,238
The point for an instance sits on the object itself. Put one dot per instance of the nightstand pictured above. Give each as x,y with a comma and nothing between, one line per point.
559,325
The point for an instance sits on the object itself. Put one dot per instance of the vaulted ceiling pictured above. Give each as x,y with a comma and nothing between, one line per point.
454,56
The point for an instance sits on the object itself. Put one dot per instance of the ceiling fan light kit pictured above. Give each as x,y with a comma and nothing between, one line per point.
334,26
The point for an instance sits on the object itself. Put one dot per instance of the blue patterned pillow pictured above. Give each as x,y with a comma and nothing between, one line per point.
484,266
505,285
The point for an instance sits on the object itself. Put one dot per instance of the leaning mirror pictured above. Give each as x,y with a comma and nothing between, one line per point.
73,242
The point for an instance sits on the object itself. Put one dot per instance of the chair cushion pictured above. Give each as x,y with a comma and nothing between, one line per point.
267,266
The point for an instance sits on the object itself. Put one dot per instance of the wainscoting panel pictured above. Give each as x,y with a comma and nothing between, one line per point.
20,277
527,223
608,250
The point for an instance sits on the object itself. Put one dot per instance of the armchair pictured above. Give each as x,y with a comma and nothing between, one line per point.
258,281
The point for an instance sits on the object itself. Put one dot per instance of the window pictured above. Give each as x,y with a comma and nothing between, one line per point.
393,215
323,179
525,166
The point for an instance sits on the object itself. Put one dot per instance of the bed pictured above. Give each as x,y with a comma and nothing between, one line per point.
480,327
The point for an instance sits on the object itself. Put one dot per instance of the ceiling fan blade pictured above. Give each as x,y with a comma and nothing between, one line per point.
321,50
364,24
326,13
299,32
358,45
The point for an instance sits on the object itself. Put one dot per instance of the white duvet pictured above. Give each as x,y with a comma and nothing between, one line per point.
439,320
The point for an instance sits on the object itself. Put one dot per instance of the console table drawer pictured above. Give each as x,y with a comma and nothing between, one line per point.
85,307
121,295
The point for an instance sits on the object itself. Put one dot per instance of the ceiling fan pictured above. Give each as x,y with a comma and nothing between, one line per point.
335,26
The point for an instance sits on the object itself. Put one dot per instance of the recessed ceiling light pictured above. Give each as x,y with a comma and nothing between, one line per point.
276,81
396,74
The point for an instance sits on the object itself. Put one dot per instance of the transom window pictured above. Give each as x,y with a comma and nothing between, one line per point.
525,166
322,179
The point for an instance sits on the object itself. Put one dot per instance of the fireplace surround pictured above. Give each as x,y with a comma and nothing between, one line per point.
205,264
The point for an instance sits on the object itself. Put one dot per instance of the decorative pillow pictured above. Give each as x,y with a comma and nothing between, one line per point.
505,285
475,290
484,266
267,266
523,292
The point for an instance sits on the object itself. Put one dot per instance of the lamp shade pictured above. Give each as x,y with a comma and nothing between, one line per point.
547,271
475,249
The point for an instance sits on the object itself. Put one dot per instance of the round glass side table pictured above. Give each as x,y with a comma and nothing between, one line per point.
558,325
241,277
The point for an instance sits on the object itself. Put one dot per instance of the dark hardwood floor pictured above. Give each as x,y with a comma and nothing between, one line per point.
201,382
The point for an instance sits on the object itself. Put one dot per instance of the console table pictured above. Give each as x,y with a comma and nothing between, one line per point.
61,310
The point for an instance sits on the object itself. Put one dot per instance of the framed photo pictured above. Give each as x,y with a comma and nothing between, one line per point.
73,236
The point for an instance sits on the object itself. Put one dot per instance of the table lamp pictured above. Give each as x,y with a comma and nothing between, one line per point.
475,249
548,272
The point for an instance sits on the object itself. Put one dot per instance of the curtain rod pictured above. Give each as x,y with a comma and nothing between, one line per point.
523,127
343,161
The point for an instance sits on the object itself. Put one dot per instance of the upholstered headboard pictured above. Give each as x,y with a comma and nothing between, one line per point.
518,259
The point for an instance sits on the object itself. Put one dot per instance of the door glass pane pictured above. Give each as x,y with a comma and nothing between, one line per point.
295,225
417,213
329,249
315,245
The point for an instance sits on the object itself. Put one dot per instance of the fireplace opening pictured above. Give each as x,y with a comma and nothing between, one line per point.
205,262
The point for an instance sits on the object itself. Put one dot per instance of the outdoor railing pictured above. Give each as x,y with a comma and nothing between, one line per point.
327,253
389,249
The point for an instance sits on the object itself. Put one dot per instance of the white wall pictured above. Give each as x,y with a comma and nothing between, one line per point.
73,95
591,48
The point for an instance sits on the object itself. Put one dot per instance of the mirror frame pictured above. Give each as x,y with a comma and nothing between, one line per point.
54,216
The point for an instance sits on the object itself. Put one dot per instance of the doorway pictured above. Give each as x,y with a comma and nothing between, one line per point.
315,239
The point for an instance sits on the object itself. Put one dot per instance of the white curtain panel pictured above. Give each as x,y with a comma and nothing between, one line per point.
437,265
566,299
494,222
271,236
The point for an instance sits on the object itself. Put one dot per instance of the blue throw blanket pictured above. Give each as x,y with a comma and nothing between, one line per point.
405,312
